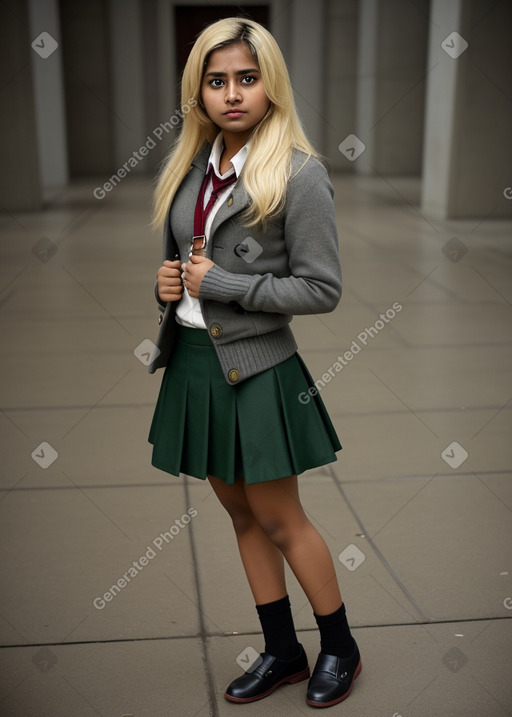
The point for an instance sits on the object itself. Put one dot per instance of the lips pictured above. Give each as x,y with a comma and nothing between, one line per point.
234,113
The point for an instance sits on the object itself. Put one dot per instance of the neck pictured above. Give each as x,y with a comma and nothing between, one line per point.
233,143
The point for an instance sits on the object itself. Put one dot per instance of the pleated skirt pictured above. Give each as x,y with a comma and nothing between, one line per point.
265,428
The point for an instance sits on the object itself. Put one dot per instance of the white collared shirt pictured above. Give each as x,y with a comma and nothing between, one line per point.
188,311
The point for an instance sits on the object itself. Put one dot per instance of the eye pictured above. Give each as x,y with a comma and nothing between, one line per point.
213,83
249,79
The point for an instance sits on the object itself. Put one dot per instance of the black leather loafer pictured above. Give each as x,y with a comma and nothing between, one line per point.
267,673
333,678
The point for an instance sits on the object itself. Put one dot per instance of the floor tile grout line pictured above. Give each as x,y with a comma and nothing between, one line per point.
368,481
444,290
379,554
196,636
203,632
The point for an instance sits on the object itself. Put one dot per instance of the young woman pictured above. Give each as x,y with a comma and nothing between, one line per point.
249,240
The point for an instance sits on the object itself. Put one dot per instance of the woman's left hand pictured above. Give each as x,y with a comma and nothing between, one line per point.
193,272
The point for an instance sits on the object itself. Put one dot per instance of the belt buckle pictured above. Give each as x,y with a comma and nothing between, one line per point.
199,245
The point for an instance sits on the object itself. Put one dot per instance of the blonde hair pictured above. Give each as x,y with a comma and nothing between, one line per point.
268,165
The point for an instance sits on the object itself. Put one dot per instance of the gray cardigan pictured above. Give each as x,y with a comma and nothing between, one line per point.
260,278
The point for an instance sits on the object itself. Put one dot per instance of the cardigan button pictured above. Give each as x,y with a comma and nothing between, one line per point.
234,375
215,331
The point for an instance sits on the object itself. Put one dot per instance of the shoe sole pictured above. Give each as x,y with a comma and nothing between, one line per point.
312,703
292,679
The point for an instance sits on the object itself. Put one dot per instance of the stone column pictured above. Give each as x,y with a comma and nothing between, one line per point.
468,138
49,93
391,85
340,78
307,67
125,23
20,183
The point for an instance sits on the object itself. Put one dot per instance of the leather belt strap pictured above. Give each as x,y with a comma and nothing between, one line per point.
201,212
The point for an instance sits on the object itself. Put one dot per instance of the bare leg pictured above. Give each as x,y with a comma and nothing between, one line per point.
262,560
277,508
270,523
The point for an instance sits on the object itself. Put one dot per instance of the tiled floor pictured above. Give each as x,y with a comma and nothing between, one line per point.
430,603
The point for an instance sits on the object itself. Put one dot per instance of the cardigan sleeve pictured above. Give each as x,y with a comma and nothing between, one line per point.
161,304
311,240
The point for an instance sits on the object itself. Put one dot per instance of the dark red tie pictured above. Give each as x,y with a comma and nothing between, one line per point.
201,214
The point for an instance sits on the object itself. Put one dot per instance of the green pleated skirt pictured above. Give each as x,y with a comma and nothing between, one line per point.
264,428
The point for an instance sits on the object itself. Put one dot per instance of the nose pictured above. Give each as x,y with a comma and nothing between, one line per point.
232,92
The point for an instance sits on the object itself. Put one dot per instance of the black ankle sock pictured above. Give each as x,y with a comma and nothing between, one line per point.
278,629
335,637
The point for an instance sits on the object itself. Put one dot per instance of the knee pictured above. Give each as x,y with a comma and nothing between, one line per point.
241,516
233,500
283,534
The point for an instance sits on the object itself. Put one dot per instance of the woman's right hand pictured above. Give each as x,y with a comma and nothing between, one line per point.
170,285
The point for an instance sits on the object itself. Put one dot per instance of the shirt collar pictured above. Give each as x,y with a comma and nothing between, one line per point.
238,160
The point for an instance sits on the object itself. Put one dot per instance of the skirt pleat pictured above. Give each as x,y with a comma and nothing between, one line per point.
167,434
195,442
223,445
263,436
259,429
312,439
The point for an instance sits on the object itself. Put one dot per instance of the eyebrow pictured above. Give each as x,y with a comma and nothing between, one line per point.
225,74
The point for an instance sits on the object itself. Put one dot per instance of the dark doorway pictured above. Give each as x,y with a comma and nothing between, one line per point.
189,20
87,85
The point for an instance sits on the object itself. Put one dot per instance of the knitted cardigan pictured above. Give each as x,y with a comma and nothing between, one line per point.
260,278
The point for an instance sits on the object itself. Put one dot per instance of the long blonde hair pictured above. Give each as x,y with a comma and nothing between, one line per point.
267,168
